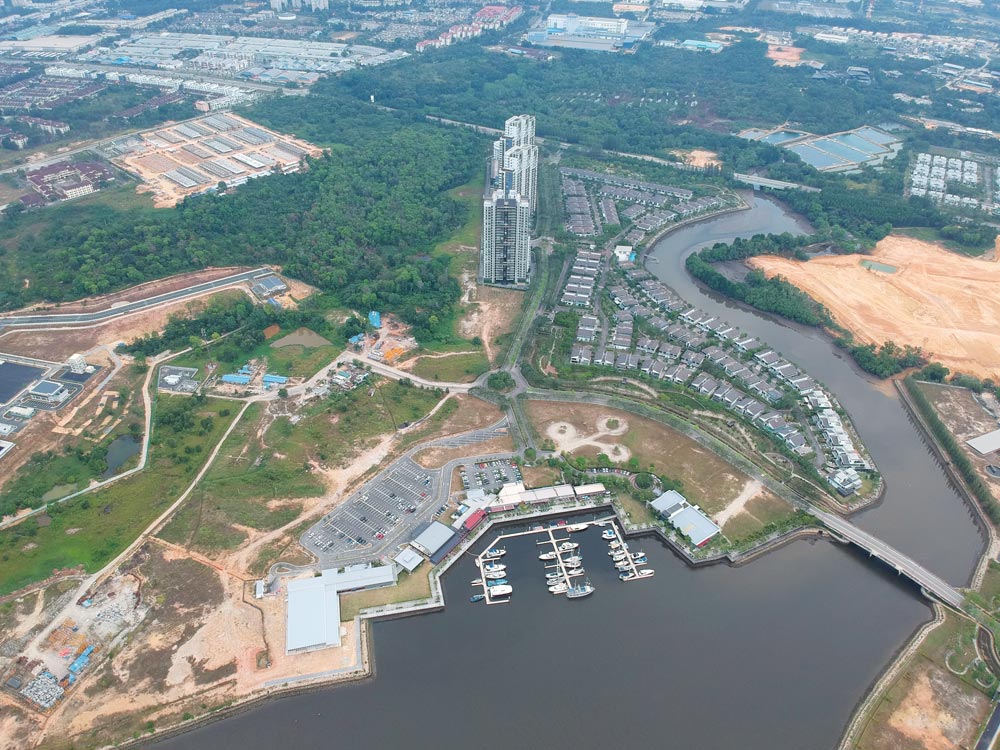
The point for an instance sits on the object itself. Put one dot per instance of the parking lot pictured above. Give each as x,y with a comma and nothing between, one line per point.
488,476
376,514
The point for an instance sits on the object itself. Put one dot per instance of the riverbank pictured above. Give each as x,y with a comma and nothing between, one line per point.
877,693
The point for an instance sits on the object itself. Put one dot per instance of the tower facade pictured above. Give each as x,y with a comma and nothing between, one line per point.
506,248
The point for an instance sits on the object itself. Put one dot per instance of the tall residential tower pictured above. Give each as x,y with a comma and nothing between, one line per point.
509,205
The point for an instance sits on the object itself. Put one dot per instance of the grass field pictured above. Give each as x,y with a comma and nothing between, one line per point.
706,479
455,368
409,588
257,476
292,361
91,530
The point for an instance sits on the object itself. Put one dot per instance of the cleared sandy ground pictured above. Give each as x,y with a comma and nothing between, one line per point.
948,304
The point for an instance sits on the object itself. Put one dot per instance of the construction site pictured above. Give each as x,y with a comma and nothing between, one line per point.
196,155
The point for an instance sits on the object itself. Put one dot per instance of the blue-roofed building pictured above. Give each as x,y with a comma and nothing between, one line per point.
375,318
236,379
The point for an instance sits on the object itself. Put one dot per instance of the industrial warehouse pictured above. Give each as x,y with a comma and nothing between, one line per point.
197,155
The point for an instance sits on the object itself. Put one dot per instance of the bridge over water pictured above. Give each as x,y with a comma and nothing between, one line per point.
930,583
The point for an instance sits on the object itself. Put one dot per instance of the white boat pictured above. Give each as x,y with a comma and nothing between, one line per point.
496,591
477,582
553,574
577,527
638,563
619,557
573,562
494,568
568,546
608,534
647,573
637,555
580,590
623,566
574,572
614,545
495,575
495,553
547,556
559,588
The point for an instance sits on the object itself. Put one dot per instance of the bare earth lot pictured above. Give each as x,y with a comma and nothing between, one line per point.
943,302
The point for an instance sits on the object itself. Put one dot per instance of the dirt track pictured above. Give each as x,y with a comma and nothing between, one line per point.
946,303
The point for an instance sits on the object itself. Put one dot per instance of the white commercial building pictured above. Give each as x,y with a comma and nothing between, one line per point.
313,613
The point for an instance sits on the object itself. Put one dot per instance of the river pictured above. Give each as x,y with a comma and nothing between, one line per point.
773,655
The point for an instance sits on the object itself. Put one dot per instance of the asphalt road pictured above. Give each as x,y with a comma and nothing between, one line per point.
57,319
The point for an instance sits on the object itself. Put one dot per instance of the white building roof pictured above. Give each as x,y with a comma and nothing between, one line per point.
409,560
433,538
985,444
313,614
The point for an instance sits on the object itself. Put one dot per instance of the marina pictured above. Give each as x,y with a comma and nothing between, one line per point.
562,558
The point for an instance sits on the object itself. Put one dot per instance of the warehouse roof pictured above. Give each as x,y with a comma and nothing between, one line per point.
433,538
985,443
313,615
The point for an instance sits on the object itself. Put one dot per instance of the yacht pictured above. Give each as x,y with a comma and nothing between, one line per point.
577,527
494,568
568,546
502,590
496,575
547,556
608,534
553,574
497,582
477,598
573,572
637,555
624,566
580,590
619,557
477,581
495,553
615,545
559,588
641,561
573,562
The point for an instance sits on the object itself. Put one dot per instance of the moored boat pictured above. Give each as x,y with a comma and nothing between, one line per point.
502,590
580,590
493,554
574,572
641,561
494,567
577,527
573,562
497,582
553,574
615,545
568,546
623,566
608,534
637,555
496,576
476,581
559,588
477,598
547,556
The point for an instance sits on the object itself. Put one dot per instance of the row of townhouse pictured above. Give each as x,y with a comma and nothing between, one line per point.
746,406
579,288
627,182
588,329
781,367
839,443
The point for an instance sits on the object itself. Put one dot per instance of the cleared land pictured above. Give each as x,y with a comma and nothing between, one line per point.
964,415
935,703
706,479
942,302
57,344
